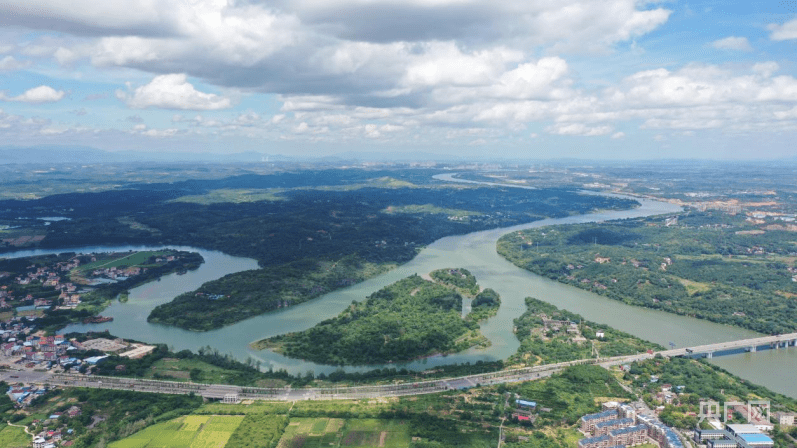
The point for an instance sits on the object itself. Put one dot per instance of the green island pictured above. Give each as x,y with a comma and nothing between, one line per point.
254,292
549,335
409,319
460,279
708,265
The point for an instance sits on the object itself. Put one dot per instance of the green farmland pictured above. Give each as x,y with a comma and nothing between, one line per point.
193,431
325,432
258,430
114,260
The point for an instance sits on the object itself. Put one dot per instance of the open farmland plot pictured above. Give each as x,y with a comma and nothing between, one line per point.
367,433
223,423
258,430
311,433
376,433
194,422
116,260
193,431
13,437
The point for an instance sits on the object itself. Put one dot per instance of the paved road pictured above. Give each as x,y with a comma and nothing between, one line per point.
219,391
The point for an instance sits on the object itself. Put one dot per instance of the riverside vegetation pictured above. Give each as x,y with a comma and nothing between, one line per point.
409,319
707,265
542,343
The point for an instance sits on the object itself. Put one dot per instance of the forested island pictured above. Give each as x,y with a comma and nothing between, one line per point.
409,319
708,265
550,335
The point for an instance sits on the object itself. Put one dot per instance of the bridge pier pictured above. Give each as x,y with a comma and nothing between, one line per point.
752,349
709,355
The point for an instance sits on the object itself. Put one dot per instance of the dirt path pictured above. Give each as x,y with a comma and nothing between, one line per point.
382,438
26,429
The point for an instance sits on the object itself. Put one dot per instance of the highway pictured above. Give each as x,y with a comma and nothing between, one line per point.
219,391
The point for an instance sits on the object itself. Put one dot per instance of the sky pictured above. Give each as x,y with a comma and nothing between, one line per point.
536,79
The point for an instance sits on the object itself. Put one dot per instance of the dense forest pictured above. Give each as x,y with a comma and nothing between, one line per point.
249,293
367,221
406,320
707,265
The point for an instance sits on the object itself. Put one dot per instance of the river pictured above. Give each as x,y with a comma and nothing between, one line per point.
475,252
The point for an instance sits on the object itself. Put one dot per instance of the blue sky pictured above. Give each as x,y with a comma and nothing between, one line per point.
608,79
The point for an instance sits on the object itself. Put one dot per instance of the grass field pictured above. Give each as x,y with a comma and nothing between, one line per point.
116,260
13,437
235,196
365,433
179,370
192,431
257,407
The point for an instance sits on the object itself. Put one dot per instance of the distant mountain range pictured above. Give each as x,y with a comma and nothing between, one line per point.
83,154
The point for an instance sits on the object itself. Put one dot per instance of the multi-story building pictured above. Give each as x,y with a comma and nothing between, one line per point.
610,425
632,435
589,421
595,442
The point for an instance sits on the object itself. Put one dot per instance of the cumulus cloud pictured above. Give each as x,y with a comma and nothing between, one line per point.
578,129
787,31
41,94
173,92
732,43
705,84
366,52
9,63
595,23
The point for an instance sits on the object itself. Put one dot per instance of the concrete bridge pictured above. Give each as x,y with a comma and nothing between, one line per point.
750,345
233,393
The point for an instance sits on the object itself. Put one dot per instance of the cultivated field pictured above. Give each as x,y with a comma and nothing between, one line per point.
325,432
193,431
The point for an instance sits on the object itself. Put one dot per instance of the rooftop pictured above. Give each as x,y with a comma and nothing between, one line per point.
756,438
599,415
743,429
629,429
620,421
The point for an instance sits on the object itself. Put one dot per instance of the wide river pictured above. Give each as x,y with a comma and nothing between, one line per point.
475,252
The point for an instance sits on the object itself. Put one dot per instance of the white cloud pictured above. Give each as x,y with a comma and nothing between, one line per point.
733,43
704,84
534,80
9,63
786,114
578,129
173,92
41,94
787,31
444,63
160,133
617,135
